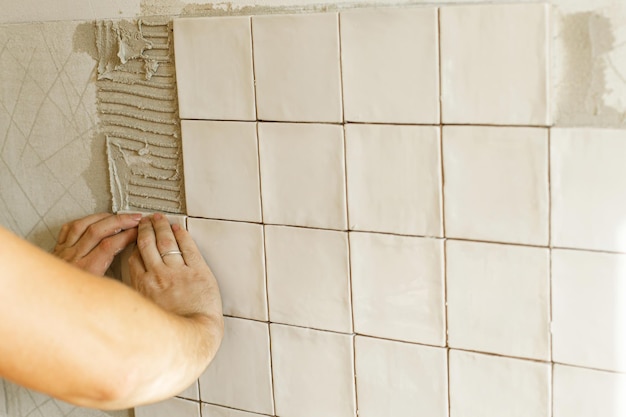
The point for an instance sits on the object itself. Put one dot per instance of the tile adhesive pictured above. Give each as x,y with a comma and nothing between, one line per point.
138,110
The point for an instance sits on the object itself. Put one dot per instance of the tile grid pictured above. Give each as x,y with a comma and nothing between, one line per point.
549,246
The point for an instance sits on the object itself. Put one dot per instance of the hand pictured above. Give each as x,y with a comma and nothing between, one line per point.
92,242
181,283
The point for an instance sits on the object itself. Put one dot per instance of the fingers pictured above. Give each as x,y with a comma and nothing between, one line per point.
102,229
165,241
100,258
136,268
187,246
71,232
146,243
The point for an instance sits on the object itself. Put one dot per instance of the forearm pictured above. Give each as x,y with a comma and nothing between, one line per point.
92,341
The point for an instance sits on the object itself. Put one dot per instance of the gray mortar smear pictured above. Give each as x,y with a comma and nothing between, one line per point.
138,110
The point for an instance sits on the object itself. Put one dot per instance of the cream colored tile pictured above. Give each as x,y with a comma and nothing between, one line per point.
168,408
296,62
221,164
234,251
495,64
588,193
308,278
209,410
313,372
302,175
390,65
589,309
192,392
214,73
400,379
491,386
397,287
498,299
496,183
588,393
394,179
240,376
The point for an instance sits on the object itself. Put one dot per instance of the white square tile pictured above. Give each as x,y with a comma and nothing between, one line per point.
588,393
492,386
303,175
496,183
390,65
235,253
192,392
308,277
168,408
394,179
221,164
209,410
498,299
313,372
296,63
240,376
589,309
400,379
214,74
397,287
495,64
588,193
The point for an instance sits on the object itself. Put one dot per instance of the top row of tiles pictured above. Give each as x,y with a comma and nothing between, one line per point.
483,64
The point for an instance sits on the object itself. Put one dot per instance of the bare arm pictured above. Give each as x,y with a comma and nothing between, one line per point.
94,342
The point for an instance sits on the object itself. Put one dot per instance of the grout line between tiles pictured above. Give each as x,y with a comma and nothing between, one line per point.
237,409
610,371
448,382
459,239
550,287
256,101
501,355
269,333
341,89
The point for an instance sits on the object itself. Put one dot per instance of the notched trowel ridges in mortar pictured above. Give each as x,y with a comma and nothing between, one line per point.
138,111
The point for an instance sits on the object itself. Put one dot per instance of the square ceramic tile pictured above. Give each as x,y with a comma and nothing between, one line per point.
400,379
221,164
588,193
394,179
390,65
240,376
168,408
589,309
313,372
234,251
498,298
308,277
492,386
191,393
302,175
496,183
588,393
209,410
296,63
397,287
495,64
214,73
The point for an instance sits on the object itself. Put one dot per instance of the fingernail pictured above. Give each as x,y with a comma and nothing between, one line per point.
157,216
136,217
144,220
175,227
117,231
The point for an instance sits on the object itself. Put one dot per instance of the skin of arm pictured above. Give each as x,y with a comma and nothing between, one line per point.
94,342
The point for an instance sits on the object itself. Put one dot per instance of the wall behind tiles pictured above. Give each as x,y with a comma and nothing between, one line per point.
514,256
